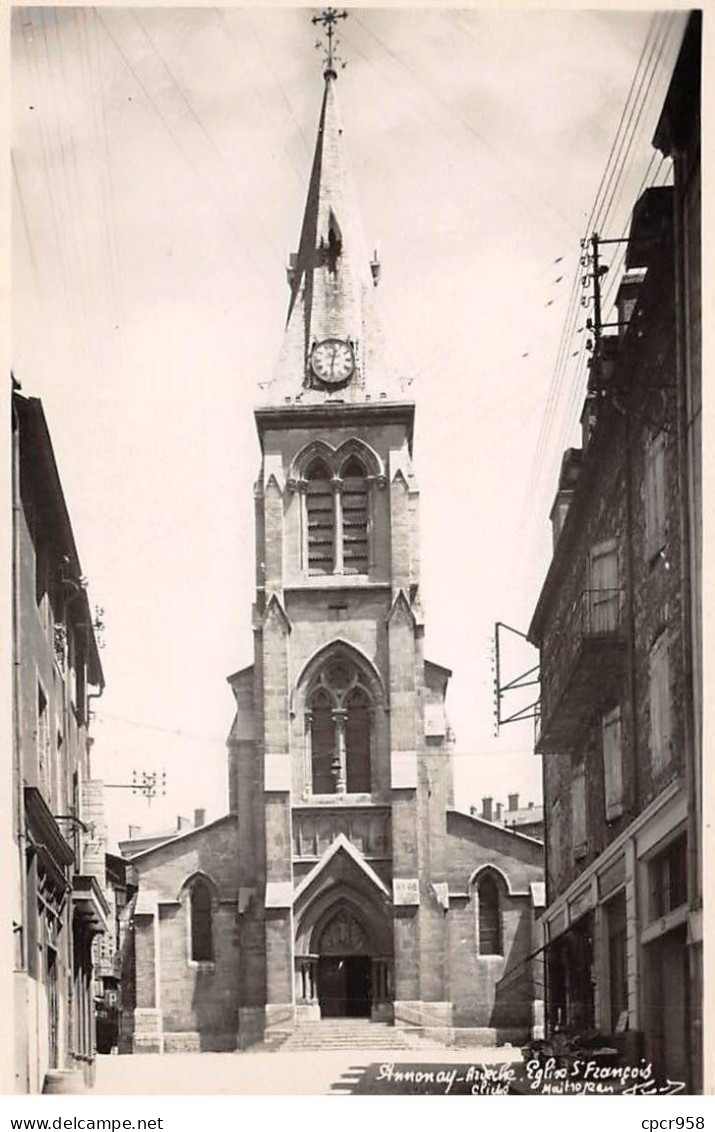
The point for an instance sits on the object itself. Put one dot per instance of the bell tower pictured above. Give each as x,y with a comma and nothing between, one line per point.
339,756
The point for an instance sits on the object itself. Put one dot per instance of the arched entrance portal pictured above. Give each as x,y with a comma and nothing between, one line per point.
344,968
343,962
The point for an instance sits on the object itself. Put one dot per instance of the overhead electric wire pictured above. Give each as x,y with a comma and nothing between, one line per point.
258,264
26,229
574,304
72,185
221,18
524,201
612,181
49,175
90,52
179,733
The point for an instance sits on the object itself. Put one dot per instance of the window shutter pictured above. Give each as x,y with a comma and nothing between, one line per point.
578,810
603,585
660,729
655,509
613,763
554,839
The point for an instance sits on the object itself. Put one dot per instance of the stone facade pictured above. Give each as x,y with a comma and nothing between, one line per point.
343,882
618,682
56,898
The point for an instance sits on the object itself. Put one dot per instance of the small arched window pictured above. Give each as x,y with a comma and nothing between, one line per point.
322,734
490,933
353,500
320,518
357,742
200,905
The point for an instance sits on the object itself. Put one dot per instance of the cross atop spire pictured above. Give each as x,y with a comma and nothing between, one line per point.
328,18
333,346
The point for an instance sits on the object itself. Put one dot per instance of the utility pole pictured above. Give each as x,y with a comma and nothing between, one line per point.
145,782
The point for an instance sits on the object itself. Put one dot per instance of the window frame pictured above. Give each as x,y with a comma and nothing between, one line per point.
339,702
201,881
494,931
352,472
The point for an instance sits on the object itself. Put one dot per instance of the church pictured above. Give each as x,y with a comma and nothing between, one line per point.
342,882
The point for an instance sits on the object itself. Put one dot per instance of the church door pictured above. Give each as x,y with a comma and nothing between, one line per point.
344,986
344,969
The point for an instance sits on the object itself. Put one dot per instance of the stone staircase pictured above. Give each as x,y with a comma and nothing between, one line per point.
350,1033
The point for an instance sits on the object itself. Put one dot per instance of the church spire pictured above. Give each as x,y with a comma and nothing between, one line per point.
333,347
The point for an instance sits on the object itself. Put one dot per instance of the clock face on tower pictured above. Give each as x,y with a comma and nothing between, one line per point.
332,361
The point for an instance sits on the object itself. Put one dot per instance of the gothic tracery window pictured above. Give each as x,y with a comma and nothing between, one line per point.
339,716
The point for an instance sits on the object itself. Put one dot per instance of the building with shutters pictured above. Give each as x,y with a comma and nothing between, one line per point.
342,883
618,625
57,858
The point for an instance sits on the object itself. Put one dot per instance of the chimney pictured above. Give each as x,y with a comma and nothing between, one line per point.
500,807
182,823
487,809
531,805
474,811
513,802
199,818
134,831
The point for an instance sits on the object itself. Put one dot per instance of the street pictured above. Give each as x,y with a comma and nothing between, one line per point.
338,1072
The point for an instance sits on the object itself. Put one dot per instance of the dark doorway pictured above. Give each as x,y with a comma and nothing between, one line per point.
344,986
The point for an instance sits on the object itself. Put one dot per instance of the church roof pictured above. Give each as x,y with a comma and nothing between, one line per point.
332,285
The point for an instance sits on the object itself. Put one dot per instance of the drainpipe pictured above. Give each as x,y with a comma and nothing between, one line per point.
692,763
629,598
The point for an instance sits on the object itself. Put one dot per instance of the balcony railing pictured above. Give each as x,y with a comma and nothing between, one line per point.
579,665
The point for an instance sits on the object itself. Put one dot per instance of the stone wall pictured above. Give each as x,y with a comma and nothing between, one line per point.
170,1002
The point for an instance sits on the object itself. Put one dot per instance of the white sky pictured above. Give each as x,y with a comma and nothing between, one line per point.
160,163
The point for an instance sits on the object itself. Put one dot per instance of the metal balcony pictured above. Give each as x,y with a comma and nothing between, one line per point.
581,667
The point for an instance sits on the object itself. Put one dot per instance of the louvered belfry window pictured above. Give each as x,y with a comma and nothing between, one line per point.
354,509
321,519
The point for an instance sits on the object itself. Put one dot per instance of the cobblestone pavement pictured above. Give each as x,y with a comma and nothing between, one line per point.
307,1073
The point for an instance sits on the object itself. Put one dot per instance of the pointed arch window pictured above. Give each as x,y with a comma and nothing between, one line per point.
337,501
340,728
320,514
354,501
201,921
490,926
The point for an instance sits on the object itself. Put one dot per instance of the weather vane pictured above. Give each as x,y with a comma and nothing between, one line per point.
329,18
